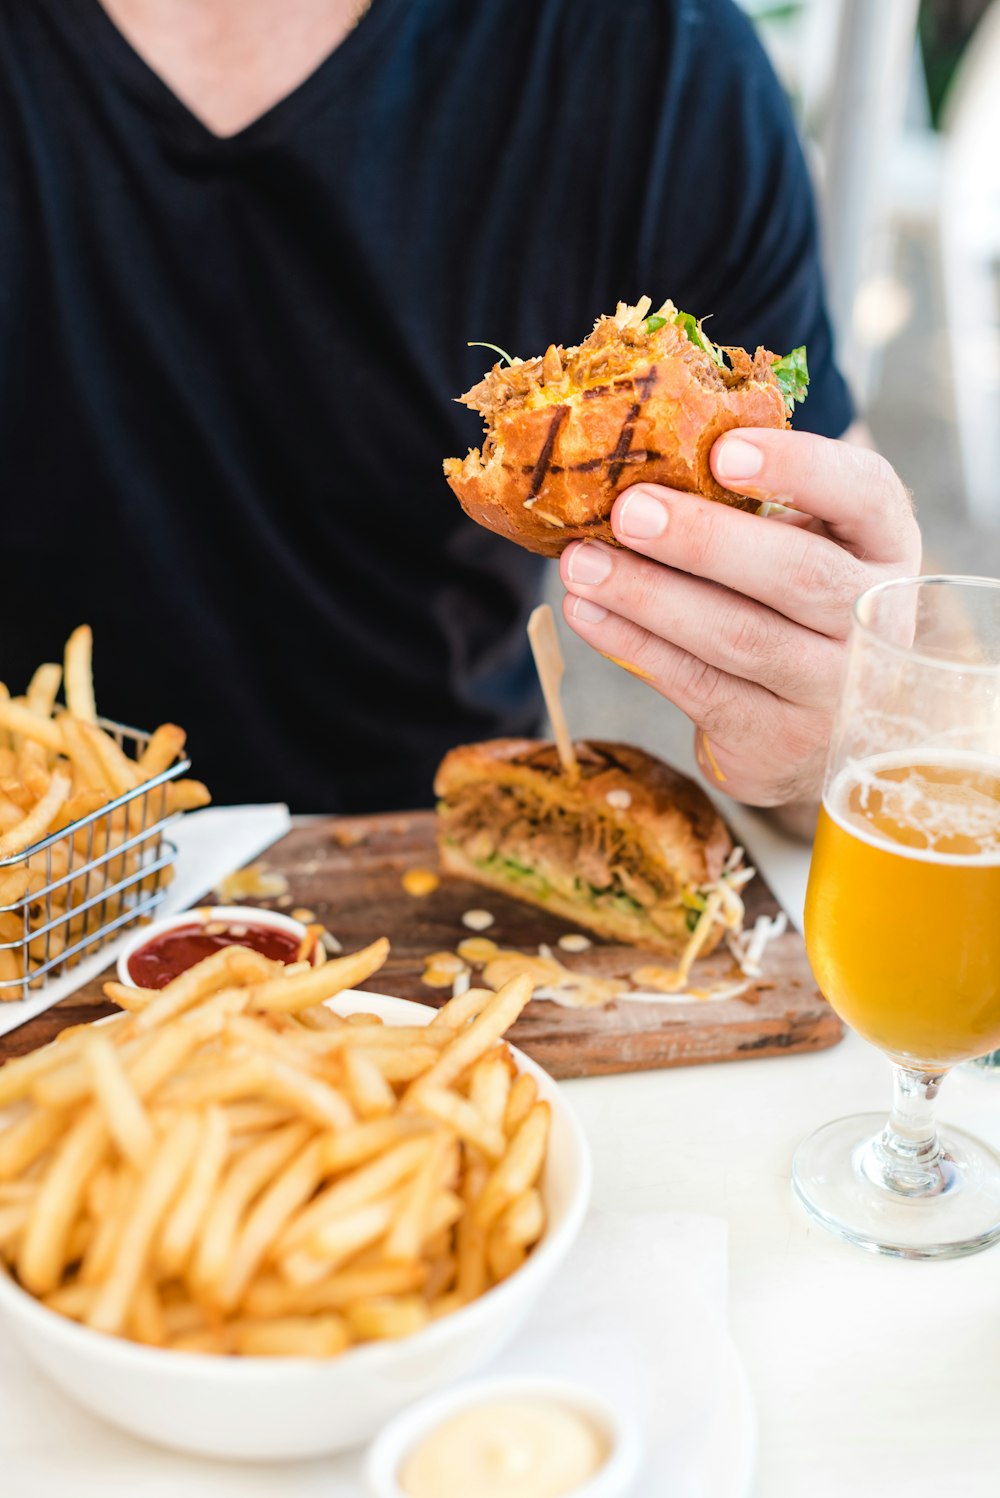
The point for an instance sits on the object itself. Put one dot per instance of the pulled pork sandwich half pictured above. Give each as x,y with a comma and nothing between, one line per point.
631,849
642,399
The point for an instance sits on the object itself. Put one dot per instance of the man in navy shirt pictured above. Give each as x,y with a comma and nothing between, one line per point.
243,247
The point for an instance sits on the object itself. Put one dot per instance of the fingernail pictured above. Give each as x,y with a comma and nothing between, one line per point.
642,517
587,612
735,458
588,564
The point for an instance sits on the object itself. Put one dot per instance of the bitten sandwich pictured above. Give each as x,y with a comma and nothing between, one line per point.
631,849
642,399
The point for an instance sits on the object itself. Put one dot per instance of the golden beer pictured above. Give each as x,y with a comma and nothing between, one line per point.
903,907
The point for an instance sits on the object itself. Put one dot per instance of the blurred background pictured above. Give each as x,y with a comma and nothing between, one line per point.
898,103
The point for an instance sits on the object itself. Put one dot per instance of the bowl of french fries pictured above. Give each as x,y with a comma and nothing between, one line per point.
258,1212
84,802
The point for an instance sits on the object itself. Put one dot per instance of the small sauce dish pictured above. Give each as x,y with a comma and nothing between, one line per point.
157,952
397,1450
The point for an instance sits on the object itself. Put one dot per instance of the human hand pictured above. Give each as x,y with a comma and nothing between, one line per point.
742,620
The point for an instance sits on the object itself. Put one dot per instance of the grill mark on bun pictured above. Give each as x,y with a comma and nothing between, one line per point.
591,465
643,386
541,467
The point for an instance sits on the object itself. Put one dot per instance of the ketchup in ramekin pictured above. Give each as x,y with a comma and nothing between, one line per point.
172,952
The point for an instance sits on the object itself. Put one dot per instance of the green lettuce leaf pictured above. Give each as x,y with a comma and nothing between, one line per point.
792,374
696,333
476,343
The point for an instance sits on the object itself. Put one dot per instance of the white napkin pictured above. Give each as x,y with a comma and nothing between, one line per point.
636,1313
210,844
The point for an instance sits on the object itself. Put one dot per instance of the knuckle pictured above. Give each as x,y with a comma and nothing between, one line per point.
747,635
698,682
824,572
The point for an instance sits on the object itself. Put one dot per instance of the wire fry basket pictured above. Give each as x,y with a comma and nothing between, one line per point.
76,888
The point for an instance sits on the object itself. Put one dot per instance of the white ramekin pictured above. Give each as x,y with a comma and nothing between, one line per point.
231,914
614,1479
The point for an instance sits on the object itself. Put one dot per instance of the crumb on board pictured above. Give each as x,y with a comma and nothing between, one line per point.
348,836
253,882
420,882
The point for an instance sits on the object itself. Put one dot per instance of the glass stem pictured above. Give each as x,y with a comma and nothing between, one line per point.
906,1157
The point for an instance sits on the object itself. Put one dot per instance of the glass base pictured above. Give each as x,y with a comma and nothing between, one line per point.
833,1175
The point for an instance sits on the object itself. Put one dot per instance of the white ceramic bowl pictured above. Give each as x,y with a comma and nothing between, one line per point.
282,1408
203,915
615,1478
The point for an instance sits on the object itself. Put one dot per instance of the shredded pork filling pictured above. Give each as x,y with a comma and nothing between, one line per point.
510,831
619,345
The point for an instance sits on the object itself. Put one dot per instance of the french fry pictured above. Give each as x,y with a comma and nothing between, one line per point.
522,1220
306,989
357,1189
368,1089
88,772
17,718
30,754
210,976
100,1250
78,669
164,747
462,1116
126,1118
187,795
521,1100
292,1337
13,1218
73,1300
311,945
156,1190
471,1277
340,1238
440,1277
463,1007
120,773
250,1118
18,1076
352,1147
388,1317
409,1229
42,1253
379,1037
518,1170
471,1043
238,1187
489,1088
286,1195
145,1320
38,820
180,1228
216,1174
269,1295
503,1257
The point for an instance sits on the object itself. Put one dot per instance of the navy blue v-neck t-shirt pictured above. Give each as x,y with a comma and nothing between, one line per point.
228,366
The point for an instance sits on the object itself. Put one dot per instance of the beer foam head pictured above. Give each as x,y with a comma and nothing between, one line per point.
935,807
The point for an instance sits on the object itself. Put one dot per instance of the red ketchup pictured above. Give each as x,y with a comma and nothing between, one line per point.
165,956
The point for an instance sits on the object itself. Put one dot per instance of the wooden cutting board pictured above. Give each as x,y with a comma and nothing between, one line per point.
349,871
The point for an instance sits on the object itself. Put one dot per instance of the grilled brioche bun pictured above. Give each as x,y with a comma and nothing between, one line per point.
637,401
626,850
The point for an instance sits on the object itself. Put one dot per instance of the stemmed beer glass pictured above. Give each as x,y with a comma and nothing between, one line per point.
903,912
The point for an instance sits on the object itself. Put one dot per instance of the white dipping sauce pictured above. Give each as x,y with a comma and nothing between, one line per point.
506,1449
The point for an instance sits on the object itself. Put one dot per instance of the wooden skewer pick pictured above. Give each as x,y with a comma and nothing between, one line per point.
550,665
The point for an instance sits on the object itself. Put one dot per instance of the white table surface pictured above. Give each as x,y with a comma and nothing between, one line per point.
873,1377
